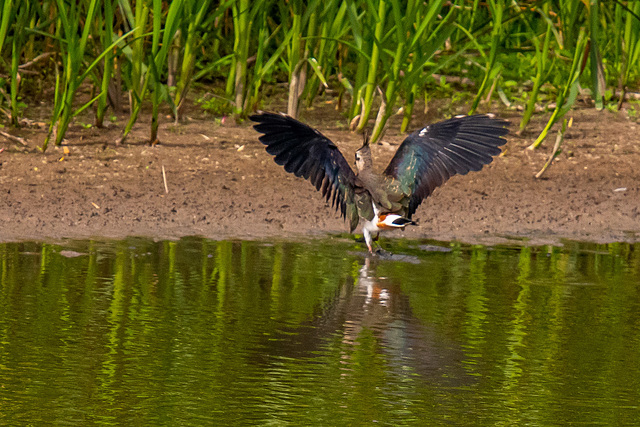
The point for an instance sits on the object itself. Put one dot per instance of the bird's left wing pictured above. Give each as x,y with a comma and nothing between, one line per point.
427,158
307,153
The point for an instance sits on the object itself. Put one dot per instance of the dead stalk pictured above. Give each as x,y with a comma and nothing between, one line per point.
554,152
13,138
164,179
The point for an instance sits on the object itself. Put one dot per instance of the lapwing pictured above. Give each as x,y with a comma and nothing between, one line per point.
425,160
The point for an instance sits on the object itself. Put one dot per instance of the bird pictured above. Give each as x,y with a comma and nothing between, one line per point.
425,160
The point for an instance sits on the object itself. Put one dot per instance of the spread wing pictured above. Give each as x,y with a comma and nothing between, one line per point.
427,158
307,153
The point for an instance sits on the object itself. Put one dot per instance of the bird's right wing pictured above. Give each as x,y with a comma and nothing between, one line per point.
429,157
307,153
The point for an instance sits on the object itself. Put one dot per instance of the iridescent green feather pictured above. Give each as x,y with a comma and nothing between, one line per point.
429,157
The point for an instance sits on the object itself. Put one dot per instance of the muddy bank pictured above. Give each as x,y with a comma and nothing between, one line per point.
221,184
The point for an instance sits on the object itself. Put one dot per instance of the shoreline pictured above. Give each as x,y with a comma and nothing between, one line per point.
223,185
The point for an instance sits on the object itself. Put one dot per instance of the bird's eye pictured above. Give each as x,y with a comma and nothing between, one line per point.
357,157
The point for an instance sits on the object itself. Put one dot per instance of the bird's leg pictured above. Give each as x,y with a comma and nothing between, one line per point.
367,238
370,240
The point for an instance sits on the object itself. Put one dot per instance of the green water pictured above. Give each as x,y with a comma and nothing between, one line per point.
198,332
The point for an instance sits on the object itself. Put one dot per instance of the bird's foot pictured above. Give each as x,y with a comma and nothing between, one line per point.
382,253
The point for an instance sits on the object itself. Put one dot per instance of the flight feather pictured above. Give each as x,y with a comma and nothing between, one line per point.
430,156
307,153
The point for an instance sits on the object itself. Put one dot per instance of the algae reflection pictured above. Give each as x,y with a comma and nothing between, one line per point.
198,331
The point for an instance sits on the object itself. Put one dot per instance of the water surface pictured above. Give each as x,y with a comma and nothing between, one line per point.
201,332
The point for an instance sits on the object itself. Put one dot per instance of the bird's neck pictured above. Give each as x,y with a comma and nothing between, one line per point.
365,167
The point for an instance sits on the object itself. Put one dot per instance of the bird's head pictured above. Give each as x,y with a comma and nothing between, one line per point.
363,155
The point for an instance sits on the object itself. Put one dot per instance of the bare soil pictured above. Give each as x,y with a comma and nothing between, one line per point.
223,185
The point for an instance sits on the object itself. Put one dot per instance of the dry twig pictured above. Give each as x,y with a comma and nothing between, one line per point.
13,138
34,60
164,179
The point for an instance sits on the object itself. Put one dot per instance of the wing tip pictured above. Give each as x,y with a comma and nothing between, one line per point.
265,116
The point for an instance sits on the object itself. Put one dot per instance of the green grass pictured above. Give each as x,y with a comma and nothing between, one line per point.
376,56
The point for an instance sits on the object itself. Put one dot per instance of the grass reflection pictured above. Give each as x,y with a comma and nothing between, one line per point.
197,331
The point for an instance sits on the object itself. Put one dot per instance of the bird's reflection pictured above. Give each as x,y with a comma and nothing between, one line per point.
370,305
374,309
